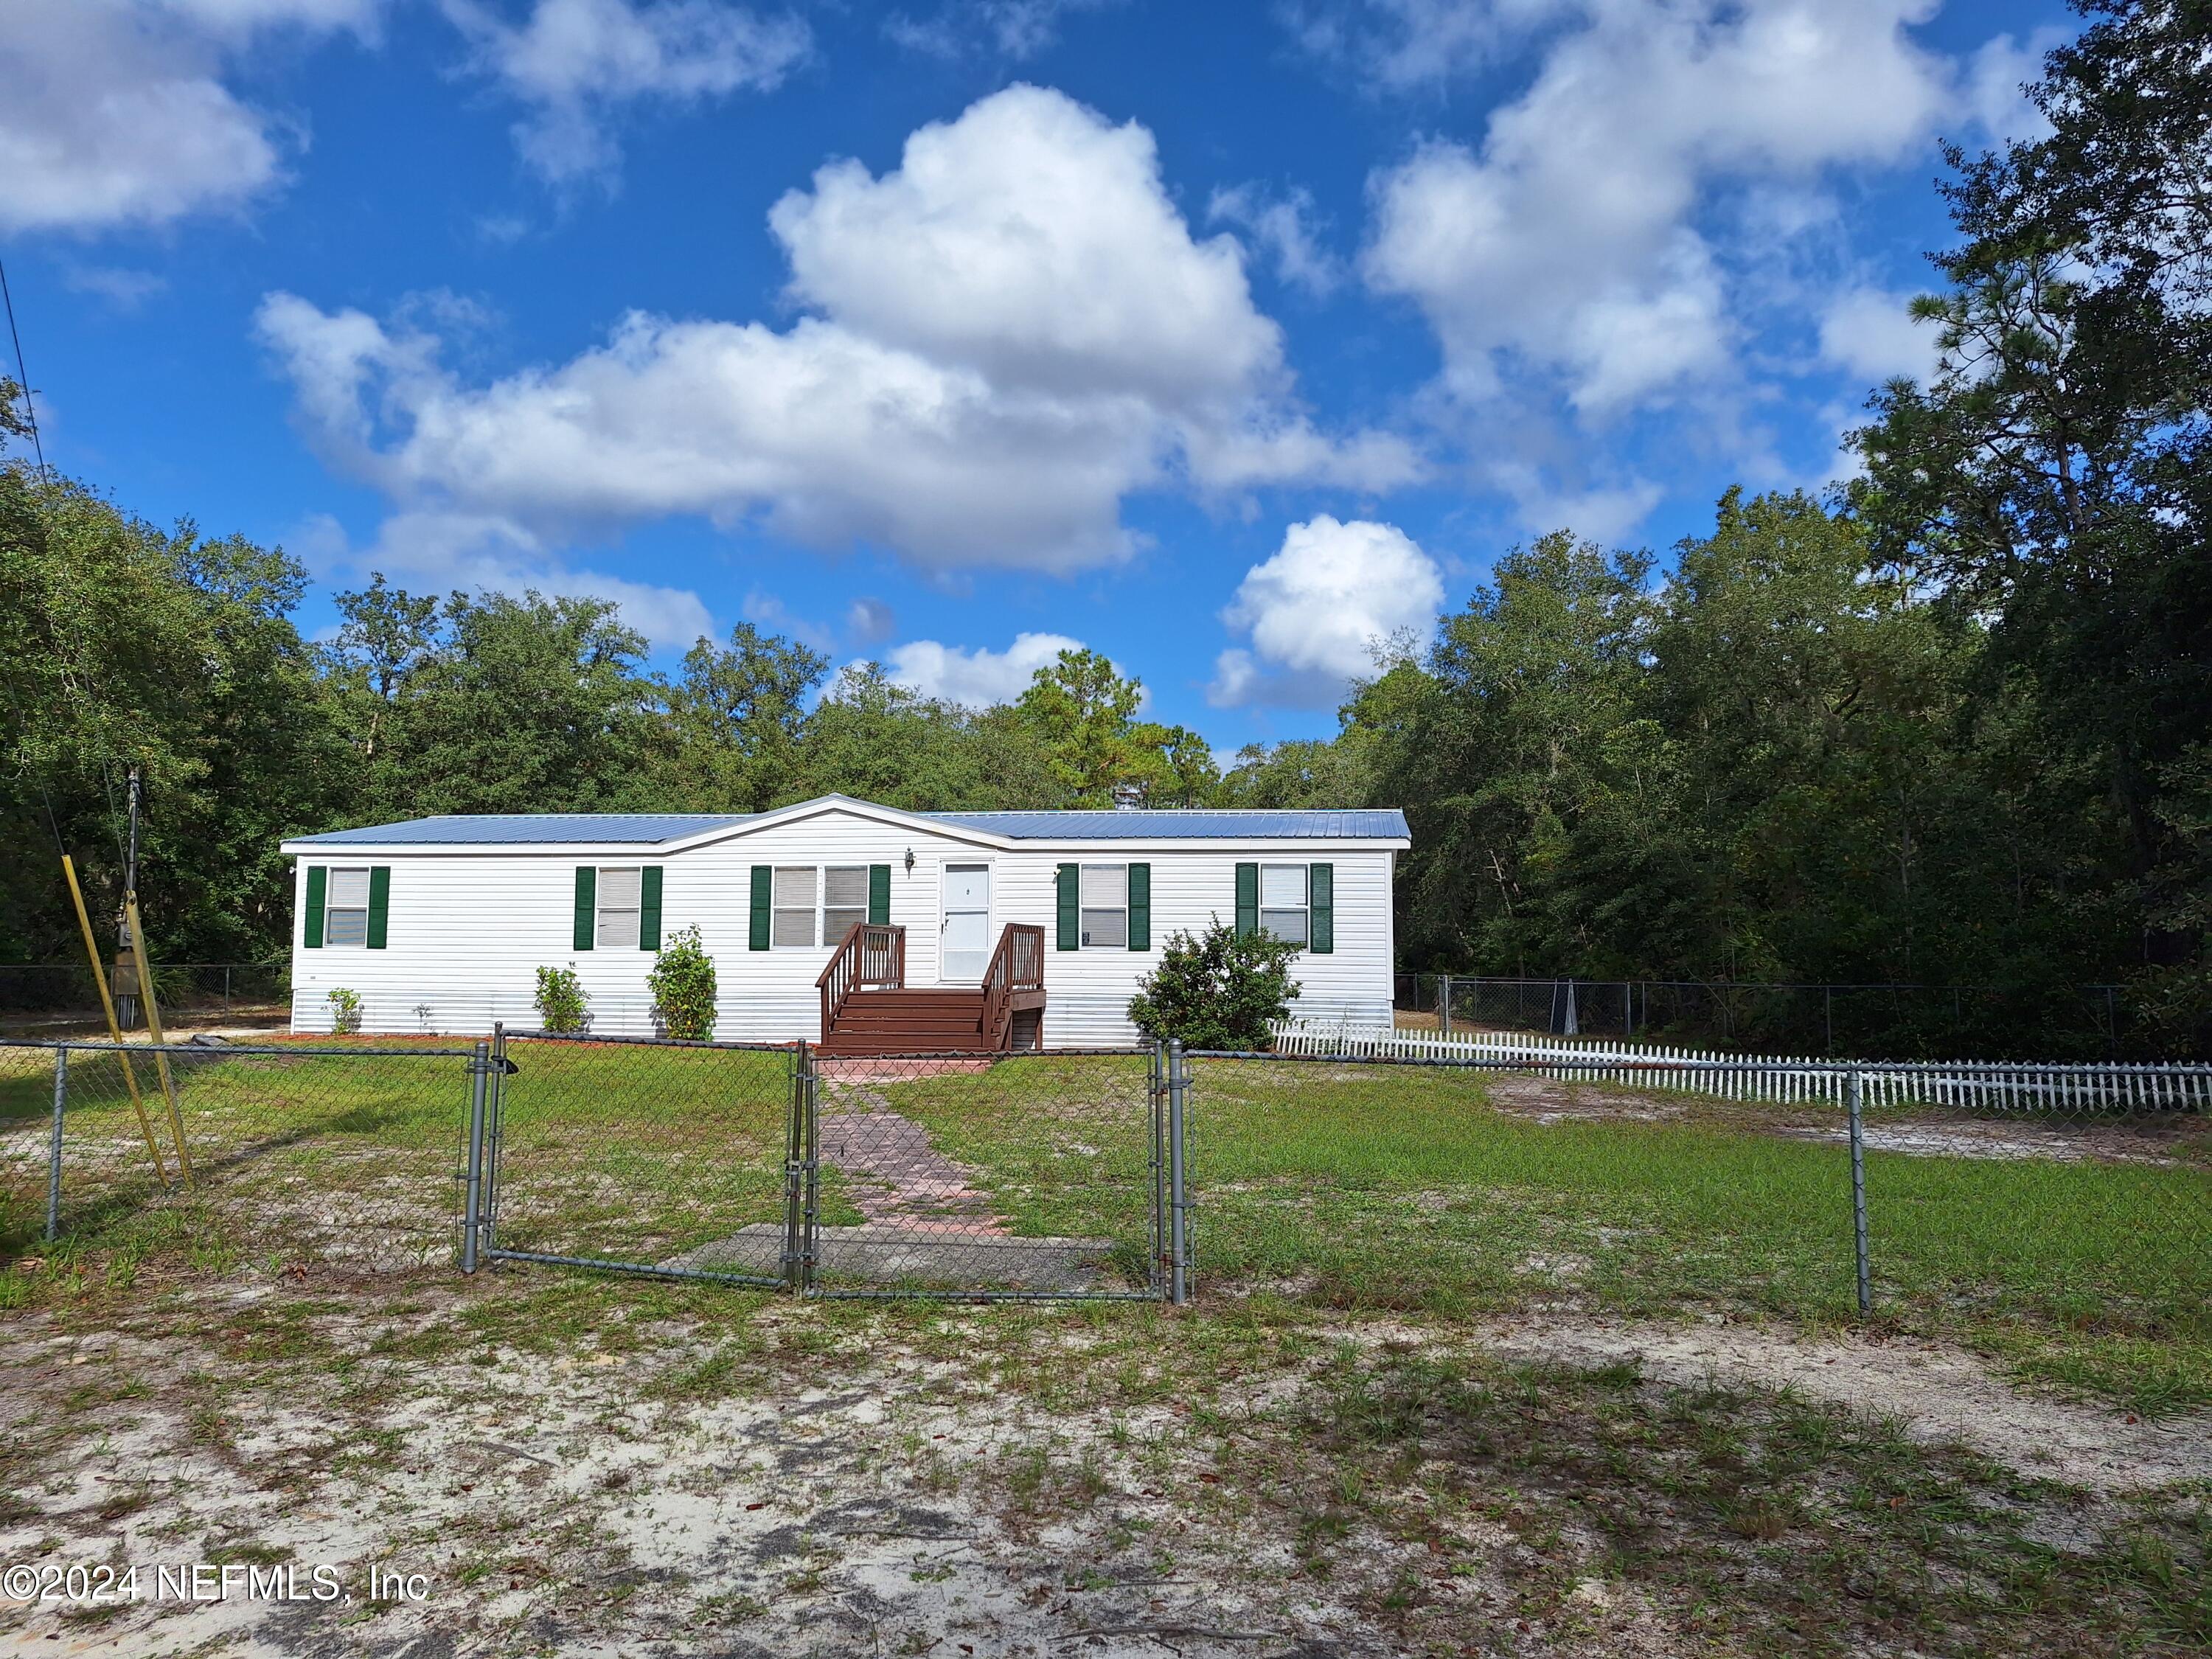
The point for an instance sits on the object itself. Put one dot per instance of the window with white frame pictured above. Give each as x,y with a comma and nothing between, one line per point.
1105,907
792,926
345,912
1285,903
844,900
616,926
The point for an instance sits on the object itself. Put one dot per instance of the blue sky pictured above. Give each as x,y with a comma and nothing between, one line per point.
1222,338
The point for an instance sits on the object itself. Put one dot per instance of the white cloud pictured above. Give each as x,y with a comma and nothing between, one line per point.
1398,45
236,20
1283,226
1567,246
766,610
1020,332
1031,241
975,677
438,552
1316,610
124,289
1600,513
115,113
1993,83
870,620
1871,333
573,62
1019,29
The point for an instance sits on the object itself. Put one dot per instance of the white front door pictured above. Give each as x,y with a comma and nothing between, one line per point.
967,949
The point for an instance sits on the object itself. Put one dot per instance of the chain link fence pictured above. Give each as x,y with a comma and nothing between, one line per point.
1026,1176
648,1155
2074,1023
246,993
2055,1199
337,1156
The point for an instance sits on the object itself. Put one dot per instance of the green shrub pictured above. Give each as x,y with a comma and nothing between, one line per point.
345,1011
1218,991
563,1004
683,986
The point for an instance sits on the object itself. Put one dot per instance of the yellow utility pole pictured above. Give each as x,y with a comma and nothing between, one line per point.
114,1028
153,1029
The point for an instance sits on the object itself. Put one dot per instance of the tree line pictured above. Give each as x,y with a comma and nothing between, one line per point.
1951,723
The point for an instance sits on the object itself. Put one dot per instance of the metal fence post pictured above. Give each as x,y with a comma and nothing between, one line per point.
472,1204
54,1151
1156,1090
793,1136
1443,1001
810,1212
494,1116
1178,1202
801,1189
1858,1194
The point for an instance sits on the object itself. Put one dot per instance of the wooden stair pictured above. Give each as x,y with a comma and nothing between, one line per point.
867,1008
908,1022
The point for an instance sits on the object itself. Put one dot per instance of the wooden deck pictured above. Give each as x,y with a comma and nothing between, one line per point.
867,1009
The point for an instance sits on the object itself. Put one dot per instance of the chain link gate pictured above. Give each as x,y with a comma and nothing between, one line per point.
1046,1176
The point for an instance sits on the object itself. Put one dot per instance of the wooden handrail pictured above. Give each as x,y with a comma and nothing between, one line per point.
873,954
1016,965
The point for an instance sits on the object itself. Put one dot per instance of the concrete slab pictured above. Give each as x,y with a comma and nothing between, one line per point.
875,1256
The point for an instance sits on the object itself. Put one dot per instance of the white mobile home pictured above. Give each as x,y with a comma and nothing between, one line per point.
835,920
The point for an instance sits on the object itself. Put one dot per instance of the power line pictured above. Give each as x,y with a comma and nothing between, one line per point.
22,374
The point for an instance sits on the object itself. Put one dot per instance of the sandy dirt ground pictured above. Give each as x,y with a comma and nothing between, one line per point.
2165,1139
864,1496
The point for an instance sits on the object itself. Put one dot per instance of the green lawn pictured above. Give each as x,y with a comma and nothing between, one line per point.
1383,1189
1394,1187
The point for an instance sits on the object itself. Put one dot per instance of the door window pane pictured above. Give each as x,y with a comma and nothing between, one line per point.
792,923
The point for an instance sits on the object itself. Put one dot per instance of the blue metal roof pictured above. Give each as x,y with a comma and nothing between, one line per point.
651,829
524,828
1170,824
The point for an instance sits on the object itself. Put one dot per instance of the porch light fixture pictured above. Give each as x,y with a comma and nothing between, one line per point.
910,860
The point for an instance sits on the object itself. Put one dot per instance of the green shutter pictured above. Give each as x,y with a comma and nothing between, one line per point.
1321,892
380,903
1071,899
1140,907
879,895
763,897
588,901
649,909
318,880
1248,899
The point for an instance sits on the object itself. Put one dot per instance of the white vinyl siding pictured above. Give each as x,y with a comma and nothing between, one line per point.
469,927
615,925
792,926
345,909
844,900
1285,909
1105,905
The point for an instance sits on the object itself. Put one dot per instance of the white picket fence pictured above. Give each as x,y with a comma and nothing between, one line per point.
1972,1084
